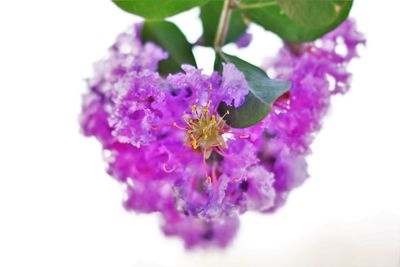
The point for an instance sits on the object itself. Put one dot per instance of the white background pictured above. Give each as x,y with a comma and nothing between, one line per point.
59,208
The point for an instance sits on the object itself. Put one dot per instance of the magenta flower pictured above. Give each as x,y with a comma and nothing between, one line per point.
176,154
244,40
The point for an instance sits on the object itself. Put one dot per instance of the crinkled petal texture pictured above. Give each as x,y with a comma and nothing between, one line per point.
175,154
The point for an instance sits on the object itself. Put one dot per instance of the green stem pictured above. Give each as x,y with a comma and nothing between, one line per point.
223,25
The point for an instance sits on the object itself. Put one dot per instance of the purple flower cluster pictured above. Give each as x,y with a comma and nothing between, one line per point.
318,73
177,156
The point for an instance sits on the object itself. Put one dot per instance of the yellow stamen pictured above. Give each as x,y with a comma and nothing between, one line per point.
203,129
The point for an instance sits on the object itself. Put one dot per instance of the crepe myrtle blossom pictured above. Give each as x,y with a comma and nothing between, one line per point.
164,140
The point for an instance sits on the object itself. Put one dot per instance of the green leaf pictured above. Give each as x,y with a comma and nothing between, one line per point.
270,15
157,9
310,13
262,94
168,36
210,14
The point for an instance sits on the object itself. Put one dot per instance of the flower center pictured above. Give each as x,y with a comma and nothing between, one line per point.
204,130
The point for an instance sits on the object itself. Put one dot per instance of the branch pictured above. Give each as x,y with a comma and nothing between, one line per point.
223,25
